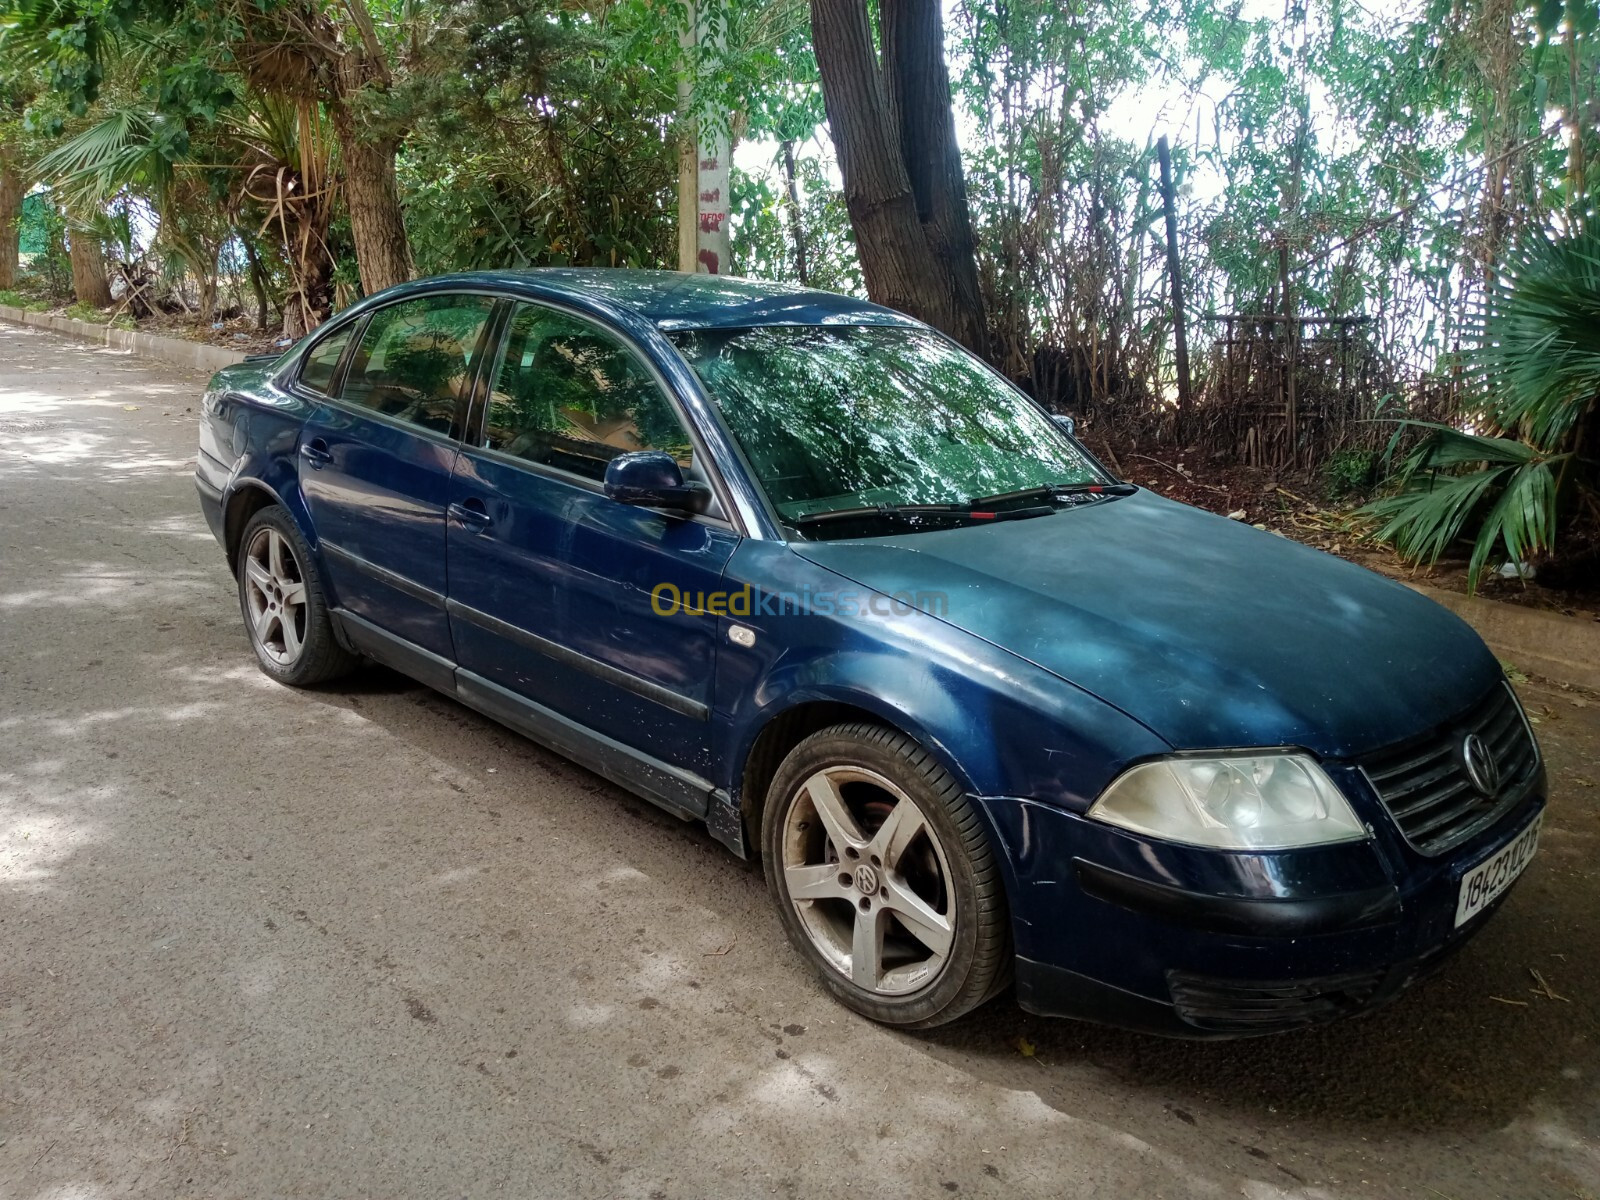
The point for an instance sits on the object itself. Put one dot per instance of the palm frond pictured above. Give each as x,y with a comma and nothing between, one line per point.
1539,338
1423,521
127,146
1447,446
1508,506
1522,521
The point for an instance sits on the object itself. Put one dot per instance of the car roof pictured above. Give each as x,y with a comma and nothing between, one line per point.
677,300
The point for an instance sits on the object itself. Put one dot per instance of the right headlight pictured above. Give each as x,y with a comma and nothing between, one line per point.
1267,800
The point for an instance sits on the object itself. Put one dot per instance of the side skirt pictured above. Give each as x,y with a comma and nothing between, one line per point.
406,657
680,792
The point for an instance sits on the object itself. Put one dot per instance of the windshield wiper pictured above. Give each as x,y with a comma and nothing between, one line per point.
1052,490
907,512
911,513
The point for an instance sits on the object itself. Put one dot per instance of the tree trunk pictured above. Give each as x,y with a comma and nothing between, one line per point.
918,88
307,305
1180,321
796,225
258,276
88,269
372,196
11,193
894,133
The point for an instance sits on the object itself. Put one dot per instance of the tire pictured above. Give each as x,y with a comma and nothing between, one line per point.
906,921
294,641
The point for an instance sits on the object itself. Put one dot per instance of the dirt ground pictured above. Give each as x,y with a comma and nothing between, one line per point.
362,942
1296,507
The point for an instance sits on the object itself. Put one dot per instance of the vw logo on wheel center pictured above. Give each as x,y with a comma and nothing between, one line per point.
866,880
1481,767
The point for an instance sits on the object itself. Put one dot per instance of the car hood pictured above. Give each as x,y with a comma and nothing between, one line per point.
1208,631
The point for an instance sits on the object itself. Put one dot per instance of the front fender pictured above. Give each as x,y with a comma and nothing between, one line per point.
1000,724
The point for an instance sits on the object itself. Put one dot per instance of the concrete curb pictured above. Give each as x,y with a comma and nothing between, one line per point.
1544,643
196,356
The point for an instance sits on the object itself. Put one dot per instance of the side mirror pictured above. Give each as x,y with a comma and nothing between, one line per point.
651,478
1068,425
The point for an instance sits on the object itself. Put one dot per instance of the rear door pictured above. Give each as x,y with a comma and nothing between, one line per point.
551,583
375,463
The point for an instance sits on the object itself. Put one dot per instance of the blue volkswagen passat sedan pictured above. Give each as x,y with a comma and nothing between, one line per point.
800,568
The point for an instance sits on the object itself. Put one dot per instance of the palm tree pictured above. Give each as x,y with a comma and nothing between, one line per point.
280,157
1538,368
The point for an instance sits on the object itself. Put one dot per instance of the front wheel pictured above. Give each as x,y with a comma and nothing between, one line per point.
884,879
284,606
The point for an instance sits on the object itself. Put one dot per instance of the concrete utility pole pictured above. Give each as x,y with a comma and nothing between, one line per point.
703,165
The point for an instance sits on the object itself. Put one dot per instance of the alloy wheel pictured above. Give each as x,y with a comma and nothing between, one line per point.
275,596
869,880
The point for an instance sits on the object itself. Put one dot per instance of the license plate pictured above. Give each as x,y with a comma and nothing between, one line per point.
1495,874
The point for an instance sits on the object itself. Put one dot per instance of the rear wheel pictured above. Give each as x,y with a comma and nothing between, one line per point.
884,878
284,606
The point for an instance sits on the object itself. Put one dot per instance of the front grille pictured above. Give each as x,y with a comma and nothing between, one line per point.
1235,1006
1425,786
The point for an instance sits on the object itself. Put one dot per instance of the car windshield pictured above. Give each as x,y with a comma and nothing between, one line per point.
838,418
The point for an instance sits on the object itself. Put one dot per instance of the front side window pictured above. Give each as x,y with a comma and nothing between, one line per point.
841,418
569,395
416,359
317,371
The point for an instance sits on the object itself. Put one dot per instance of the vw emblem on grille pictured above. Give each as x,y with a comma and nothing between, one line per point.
1481,767
866,880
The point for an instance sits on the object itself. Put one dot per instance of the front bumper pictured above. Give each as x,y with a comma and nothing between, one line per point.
211,506
1187,942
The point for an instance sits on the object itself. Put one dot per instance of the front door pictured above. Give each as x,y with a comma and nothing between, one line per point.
554,588
375,465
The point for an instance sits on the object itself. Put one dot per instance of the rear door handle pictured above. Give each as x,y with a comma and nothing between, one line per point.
471,513
316,453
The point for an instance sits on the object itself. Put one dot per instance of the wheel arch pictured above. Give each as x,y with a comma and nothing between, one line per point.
244,502
248,496
779,732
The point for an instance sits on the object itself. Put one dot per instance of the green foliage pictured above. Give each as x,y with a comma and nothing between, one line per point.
85,312
763,230
14,299
1539,339
1349,472
542,145
1508,505
1538,361
126,146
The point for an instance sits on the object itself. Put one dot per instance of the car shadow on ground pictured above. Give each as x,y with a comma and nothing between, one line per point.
1476,1046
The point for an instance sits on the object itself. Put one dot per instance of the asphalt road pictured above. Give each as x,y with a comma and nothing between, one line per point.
362,942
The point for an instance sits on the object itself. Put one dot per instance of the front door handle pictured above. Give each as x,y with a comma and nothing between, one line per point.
471,513
316,453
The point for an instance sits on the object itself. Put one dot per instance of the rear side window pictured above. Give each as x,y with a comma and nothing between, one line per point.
317,371
415,362
570,395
